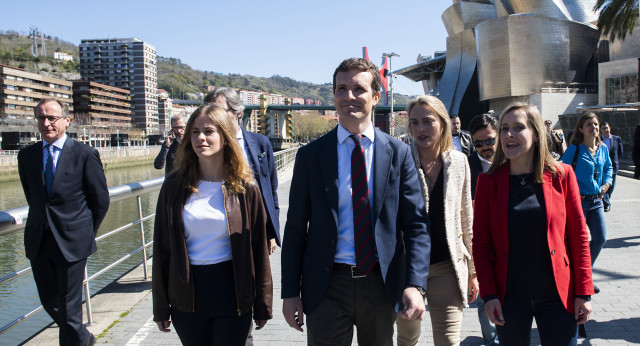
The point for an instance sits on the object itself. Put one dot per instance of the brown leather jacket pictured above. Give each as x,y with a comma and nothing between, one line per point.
246,218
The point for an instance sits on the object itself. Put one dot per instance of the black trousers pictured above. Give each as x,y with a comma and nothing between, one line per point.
215,320
59,286
351,301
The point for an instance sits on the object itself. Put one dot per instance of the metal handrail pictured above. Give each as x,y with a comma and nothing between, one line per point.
13,220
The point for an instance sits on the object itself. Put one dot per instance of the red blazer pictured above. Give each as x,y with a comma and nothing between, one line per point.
566,234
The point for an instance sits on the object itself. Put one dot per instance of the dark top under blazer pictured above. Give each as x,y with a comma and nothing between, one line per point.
260,154
78,201
615,151
566,234
311,232
476,168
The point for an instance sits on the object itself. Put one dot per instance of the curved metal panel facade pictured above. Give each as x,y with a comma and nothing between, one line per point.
576,10
466,15
461,63
518,54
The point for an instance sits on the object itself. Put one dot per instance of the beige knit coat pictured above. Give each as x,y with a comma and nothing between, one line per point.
458,211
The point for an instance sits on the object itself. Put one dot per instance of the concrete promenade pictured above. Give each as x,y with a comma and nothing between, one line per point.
123,311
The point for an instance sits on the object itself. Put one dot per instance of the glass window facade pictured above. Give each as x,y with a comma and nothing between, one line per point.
622,89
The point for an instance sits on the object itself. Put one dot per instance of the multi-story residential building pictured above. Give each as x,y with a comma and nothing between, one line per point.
20,92
164,114
101,106
127,63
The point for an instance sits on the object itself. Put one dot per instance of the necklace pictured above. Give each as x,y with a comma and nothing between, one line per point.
524,182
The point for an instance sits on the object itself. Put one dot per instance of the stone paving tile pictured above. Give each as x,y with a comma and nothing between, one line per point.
615,319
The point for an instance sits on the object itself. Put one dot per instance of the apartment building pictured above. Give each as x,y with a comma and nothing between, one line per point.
101,106
164,114
20,93
127,63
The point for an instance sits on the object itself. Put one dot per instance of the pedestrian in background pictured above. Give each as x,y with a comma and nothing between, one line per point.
167,153
614,145
210,259
461,138
589,157
483,129
530,244
555,139
445,182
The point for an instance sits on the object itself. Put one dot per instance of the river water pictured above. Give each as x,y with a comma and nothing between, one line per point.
20,296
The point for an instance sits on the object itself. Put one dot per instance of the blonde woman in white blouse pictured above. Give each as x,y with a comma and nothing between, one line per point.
445,180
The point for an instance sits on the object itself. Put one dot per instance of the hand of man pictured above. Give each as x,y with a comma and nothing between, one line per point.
272,246
260,324
473,289
582,310
292,311
164,326
494,311
168,140
414,308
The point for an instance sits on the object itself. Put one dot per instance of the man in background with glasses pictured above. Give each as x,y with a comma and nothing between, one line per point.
484,138
66,190
167,153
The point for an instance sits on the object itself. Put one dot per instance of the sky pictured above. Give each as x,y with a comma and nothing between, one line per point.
303,40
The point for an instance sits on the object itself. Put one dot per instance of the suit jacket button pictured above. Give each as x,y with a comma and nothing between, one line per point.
327,269
553,252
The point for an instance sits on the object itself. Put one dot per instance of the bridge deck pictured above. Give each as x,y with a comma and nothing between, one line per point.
123,311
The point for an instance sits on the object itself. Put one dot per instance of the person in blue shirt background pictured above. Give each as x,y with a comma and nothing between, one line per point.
594,173
614,144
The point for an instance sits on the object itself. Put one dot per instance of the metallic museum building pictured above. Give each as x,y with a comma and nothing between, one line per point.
545,52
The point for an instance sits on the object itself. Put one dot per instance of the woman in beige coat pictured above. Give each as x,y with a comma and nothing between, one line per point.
445,181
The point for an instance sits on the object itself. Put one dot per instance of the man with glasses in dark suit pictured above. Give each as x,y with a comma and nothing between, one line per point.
67,193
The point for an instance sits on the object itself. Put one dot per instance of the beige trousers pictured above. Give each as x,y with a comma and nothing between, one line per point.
445,309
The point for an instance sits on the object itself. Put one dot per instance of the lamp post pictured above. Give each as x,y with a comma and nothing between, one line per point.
391,55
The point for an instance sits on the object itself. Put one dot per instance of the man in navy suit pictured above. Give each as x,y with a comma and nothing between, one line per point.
614,144
354,188
259,153
67,193
484,136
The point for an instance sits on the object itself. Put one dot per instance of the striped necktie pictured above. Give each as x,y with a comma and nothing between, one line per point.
363,235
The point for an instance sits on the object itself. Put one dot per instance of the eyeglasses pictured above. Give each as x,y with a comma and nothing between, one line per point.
488,141
52,119
177,128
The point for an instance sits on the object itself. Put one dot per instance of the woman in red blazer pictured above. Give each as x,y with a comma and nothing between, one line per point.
530,243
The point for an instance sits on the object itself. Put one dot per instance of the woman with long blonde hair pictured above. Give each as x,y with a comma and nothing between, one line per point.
210,260
530,243
445,180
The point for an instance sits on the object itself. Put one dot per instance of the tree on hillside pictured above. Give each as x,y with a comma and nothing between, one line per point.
617,18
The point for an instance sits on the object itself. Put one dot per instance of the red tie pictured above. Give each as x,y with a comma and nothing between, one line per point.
363,236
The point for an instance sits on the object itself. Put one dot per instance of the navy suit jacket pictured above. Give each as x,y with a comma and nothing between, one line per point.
260,155
615,151
311,232
475,167
77,204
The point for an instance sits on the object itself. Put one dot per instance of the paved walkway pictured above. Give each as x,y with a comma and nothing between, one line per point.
615,320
